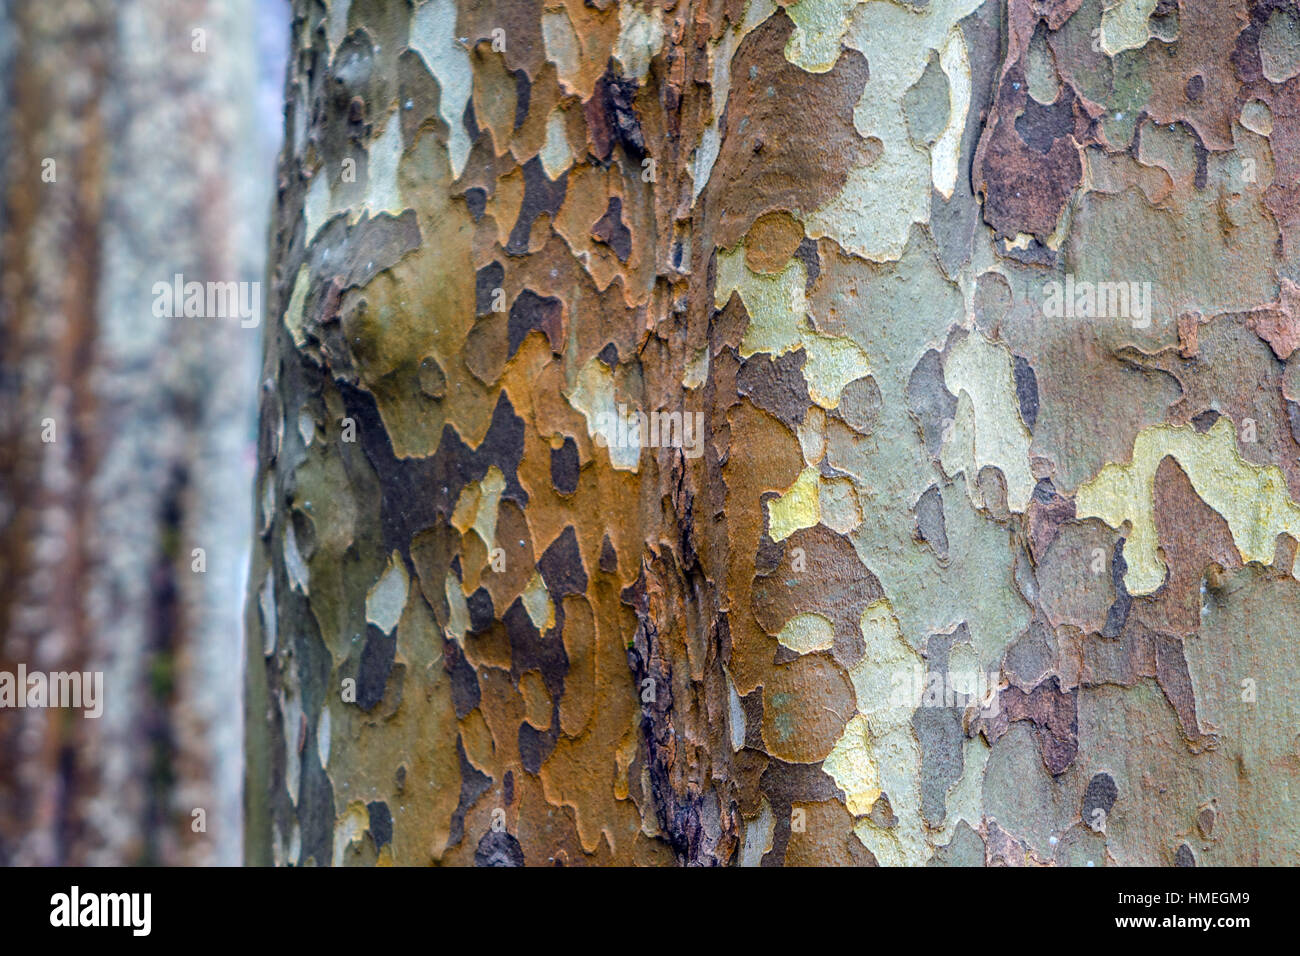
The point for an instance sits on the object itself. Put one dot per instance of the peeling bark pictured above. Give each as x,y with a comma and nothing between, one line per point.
732,433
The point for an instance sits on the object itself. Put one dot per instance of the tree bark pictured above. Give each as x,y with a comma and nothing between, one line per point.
979,547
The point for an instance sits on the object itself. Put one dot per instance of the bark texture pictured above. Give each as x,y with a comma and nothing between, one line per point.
986,553
126,437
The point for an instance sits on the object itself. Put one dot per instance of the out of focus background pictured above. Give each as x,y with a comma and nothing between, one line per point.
137,149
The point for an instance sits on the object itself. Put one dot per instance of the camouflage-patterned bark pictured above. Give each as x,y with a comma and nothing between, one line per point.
984,551
125,144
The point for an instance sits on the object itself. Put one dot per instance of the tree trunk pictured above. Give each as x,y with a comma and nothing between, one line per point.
127,155
727,433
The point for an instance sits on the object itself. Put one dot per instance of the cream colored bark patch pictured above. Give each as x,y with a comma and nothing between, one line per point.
640,37
1257,117
384,154
1253,499
538,604
697,369
888,662
806,633
478,505
945,153
593,395
812,435
349,829
386,600
838,500
562,47
873,214
337,27
382,193
556,154
433,37
819,26
294,566
316,207
293,320
799,507
987,429
878,752
778,323
457,608
812,499
1279,45
324,737
852,768
306,426
759,835
485,522
735,715
1124,26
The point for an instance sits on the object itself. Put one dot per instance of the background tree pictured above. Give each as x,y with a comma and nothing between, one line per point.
131,151
987,553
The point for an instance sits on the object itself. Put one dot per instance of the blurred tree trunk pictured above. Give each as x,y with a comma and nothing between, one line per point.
887,597
127,154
